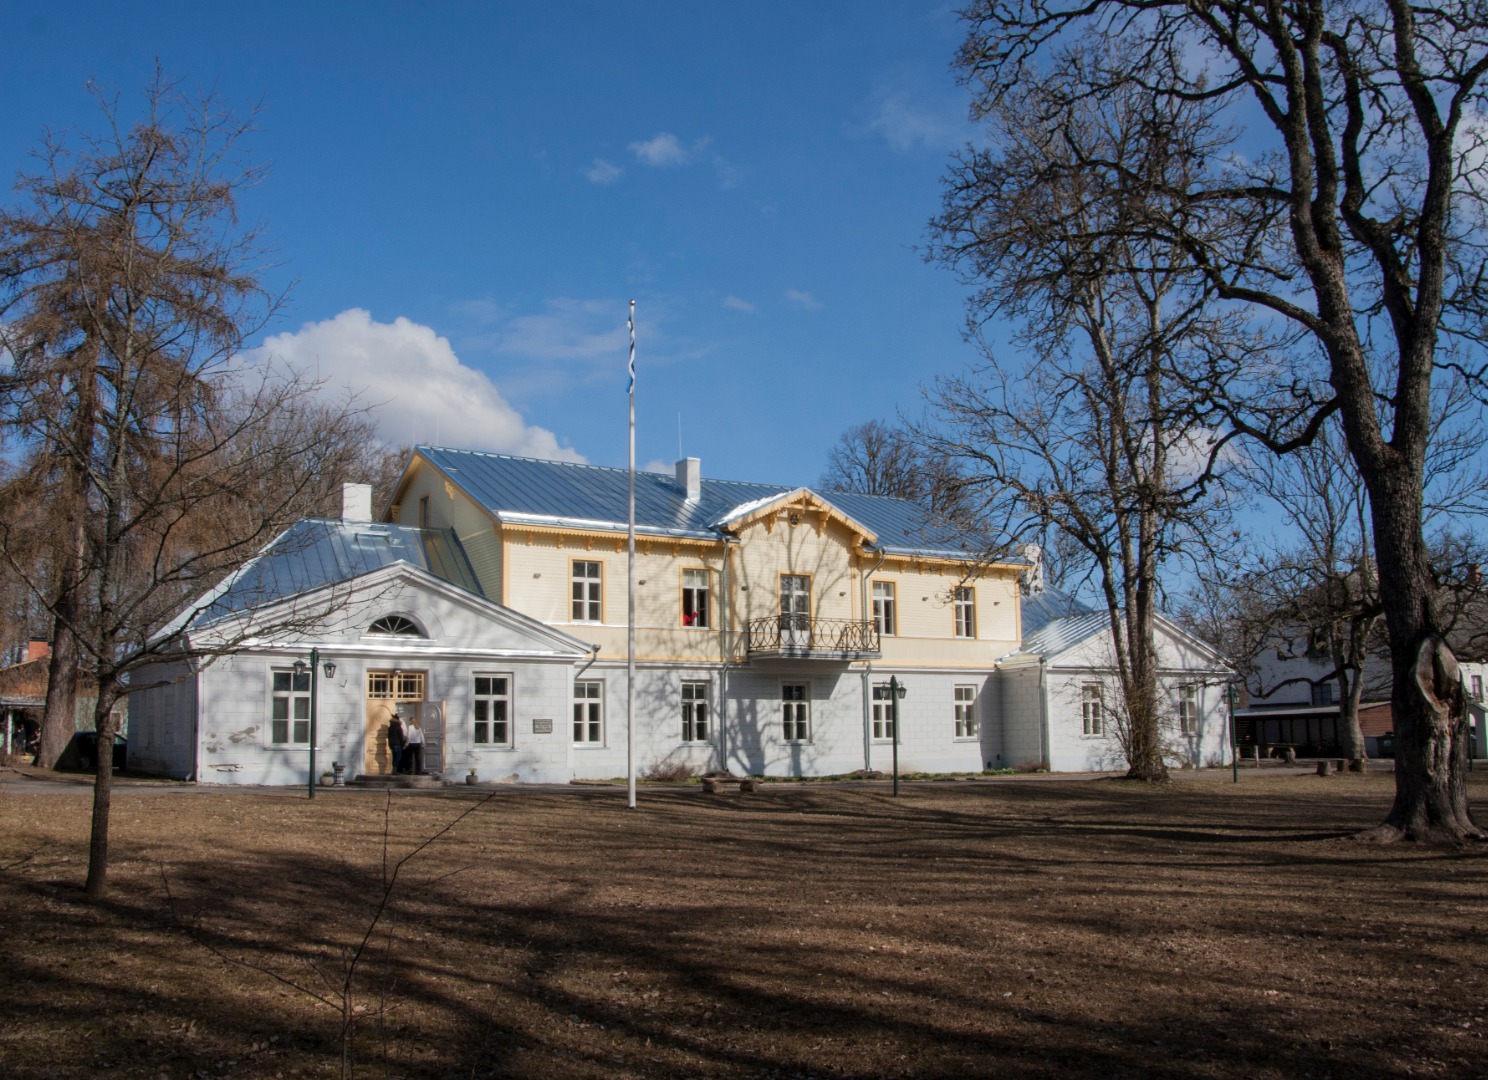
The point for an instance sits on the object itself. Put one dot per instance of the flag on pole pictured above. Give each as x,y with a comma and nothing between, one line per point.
630,561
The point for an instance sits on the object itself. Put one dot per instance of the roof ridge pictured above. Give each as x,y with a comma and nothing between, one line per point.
600,468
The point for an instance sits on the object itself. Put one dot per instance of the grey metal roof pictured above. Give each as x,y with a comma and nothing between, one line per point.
1057,635
1043,607
1054,621
519,489
314,553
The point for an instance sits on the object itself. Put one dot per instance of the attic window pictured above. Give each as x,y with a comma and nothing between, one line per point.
395,624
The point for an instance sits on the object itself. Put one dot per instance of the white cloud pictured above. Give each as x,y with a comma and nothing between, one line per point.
603,172
802,299
567,330
912,121
659,466
738,303
411,379
662,150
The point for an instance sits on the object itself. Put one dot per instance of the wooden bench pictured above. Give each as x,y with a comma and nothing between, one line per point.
712,785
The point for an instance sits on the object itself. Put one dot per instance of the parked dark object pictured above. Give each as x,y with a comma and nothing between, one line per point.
82,752
1387,744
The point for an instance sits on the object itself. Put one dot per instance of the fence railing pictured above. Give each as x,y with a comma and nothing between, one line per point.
802,634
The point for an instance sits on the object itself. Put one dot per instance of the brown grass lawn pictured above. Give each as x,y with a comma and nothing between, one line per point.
978,928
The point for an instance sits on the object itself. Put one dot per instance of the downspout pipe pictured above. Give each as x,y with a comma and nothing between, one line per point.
593,656
725,644
1044,713
868,672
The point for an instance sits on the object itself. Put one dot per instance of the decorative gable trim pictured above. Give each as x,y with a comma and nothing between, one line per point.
799,507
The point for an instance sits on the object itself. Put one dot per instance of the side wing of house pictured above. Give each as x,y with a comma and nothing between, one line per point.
489,687
1083,701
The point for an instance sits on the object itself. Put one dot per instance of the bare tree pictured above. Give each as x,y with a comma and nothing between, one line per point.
876,458
1101,440
125,294
1341,205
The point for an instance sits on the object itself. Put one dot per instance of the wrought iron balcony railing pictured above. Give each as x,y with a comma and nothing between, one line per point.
803,636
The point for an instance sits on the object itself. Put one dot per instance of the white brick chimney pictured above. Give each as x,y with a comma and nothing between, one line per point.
356,502
690,477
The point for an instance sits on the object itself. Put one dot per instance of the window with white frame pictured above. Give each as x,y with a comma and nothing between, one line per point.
795,709
966,718
883,712
1188,709
1092,709
1322,694
492,711
694,711
964,607
695,598
588,713
588,591
883,607
289,710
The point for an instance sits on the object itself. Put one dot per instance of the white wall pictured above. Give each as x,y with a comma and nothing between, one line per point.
162,722
1021,711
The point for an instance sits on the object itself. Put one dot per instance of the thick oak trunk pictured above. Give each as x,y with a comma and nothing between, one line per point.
1427,698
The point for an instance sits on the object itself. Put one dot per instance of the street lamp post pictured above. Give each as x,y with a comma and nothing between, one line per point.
330,672
1234,735
896,691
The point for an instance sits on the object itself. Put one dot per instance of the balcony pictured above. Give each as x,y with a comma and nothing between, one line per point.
799,637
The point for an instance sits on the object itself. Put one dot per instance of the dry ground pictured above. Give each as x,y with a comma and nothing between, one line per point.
979,928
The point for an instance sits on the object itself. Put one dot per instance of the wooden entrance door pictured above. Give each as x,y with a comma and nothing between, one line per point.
387,692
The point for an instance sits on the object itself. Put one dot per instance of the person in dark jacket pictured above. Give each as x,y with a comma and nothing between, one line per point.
396,740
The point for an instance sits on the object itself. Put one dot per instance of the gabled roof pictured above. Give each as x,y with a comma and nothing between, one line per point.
313,554
532,491
1055,622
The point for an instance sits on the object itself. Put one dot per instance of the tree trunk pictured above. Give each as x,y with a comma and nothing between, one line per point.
59,718
1350,734
1429,705
103,786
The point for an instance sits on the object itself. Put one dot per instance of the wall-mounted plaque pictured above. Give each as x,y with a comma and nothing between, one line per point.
542,727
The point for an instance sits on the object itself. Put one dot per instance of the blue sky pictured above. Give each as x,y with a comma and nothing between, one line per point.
466,196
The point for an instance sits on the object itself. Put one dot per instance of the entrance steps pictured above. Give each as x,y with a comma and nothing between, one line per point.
396,780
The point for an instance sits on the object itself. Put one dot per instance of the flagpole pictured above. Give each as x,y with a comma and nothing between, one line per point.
630,695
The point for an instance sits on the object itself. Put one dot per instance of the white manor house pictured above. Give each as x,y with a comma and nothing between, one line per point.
490,606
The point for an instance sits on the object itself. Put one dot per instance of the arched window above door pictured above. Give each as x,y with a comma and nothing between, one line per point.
395,625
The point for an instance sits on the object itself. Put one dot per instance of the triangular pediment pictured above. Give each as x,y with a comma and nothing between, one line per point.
799,507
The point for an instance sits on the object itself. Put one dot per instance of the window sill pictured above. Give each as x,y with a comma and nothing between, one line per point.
504,748
967,738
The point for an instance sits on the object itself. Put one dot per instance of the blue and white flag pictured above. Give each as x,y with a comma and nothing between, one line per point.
630,322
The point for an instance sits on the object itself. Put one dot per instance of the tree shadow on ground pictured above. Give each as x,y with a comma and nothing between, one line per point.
797,933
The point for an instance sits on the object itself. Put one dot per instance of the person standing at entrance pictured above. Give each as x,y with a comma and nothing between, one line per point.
413,753
396,740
